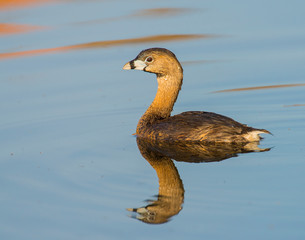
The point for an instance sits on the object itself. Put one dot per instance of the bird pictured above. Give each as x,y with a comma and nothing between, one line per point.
157,124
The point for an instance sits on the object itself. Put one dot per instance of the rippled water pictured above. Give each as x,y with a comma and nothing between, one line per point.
70,166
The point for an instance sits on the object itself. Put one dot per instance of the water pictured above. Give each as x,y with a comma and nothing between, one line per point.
70,166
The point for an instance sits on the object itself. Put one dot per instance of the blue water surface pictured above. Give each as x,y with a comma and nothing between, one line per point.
70,165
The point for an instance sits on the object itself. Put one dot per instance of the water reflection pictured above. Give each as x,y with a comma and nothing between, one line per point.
11,28
261,87
21,3
171,191
104,44
151,12
161,12
295,105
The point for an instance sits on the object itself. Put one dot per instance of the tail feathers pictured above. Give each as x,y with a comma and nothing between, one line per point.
264,131
253,136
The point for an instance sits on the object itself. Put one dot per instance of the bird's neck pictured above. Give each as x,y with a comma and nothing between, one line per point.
162,106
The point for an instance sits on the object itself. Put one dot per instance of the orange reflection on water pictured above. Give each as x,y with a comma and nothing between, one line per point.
153,12
32,52
20,3
10,28
295,105
101,44
261,87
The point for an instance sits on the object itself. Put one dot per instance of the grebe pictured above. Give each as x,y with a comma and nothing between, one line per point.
157,123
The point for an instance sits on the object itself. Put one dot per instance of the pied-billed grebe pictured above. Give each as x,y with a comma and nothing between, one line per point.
157,124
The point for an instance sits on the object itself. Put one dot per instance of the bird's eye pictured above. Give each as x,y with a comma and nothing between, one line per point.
149,59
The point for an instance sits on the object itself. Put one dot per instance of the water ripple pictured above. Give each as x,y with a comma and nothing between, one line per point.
12,28
261,87
104,44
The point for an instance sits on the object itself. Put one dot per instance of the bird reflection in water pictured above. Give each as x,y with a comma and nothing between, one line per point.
171,191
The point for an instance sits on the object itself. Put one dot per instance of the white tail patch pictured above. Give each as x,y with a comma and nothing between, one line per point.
253,136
